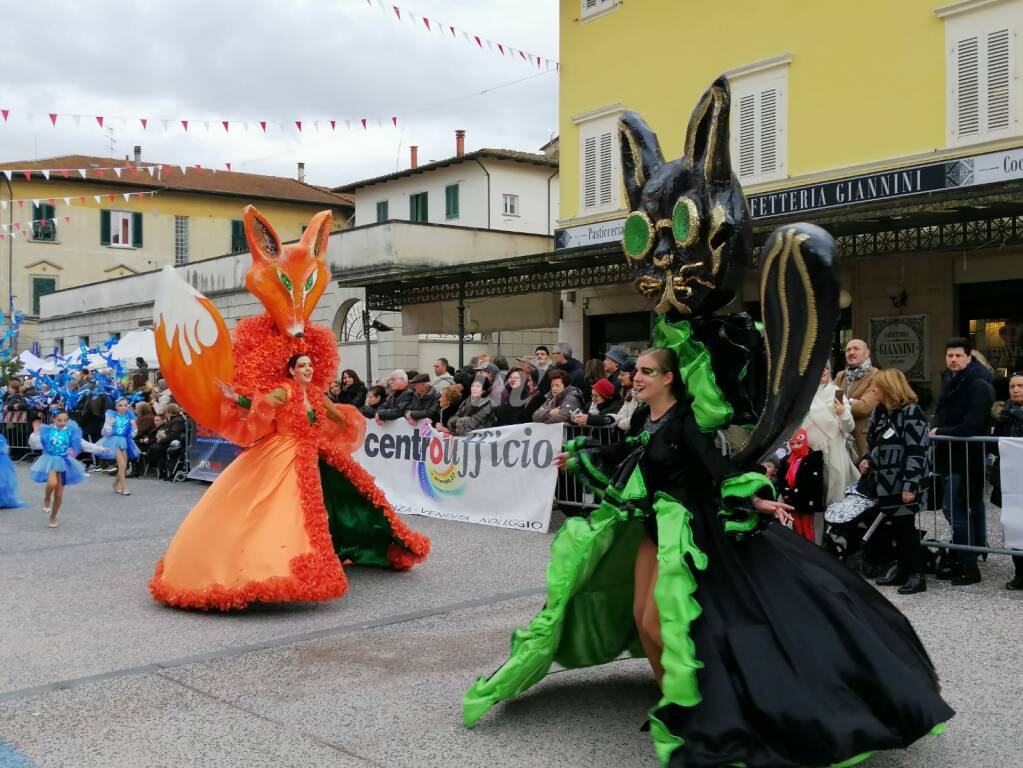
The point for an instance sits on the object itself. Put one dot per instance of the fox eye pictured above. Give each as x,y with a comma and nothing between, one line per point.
310,282
637,235
286,280
685,221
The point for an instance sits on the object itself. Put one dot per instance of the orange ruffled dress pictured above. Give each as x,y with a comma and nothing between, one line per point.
270,529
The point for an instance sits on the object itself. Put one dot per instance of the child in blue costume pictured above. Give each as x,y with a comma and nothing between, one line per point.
119,429
8,480
57,467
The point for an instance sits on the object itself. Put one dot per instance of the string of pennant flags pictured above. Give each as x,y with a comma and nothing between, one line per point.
173,124
79,199
26,228
441,29
155,170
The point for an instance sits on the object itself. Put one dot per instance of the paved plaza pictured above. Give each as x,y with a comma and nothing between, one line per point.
93,673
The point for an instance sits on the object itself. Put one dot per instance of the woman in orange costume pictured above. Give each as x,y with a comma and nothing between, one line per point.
279,521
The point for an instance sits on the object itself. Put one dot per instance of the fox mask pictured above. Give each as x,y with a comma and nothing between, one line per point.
289,279
689,236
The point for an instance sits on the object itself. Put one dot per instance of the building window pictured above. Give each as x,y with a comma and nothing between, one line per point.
759,120
238,244
417,208
120,229
593,8
40,287
83,340
43,227
599,161
451,201
180,240
382,213
511,205
983,92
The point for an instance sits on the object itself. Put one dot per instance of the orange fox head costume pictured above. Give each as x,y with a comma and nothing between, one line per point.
192,340
289,279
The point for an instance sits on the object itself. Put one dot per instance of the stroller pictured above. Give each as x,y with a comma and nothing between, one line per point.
859,532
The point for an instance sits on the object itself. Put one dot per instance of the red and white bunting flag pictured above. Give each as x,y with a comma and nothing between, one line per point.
316,125
81,199
6,113
53,118
184,169
397,11
225,123
27,175
3,205
35,202
538,62
83,172
111,197
452,31
67,201
99,119
165,124
134,170
523,57
499,47
101,172
426,21
198,167
98,198
46,174
411,17
206,125
363,121
151,169
65,172
145,122
228,166
262,124
298,124
118,172
126,195
348,124
394,120
184,124
333,124
466,36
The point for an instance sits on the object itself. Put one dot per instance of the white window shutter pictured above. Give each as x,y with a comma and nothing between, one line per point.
967,85
998,72
768,131
607,175
590,172
747,135
589,4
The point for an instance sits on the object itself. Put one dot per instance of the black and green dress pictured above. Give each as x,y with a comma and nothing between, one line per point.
774,653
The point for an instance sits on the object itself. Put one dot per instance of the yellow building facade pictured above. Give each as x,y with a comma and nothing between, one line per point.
898,126
91,232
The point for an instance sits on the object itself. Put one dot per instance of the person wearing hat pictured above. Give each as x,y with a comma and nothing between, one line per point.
603,407
496,387
425,402
563,361
614,359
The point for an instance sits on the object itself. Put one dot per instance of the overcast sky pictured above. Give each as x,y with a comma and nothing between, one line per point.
277,60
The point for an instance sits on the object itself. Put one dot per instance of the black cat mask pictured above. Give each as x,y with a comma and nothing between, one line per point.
689,236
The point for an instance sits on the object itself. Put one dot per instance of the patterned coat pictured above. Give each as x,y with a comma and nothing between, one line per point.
897,452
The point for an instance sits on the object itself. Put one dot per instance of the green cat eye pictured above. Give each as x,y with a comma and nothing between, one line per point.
637,235
286,280
685,221
310,282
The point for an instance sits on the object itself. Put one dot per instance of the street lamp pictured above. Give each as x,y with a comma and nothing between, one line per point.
377,326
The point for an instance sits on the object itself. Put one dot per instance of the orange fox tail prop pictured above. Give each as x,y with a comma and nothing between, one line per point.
194,347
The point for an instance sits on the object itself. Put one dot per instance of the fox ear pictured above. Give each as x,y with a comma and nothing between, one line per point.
641,154
263,241
707,148
317,233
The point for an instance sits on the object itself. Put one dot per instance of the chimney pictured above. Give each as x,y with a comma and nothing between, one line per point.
414,150
301,172
138,154
459,143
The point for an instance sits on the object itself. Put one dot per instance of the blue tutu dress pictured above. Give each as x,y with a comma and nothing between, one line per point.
56,443
118,431
8,480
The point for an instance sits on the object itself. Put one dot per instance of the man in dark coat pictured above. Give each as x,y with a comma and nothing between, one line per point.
563,361
964,410
425,402
614,359
398,399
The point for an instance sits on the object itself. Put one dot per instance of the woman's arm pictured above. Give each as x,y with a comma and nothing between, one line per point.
108,424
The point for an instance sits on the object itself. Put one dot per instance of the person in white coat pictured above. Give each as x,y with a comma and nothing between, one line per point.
829,426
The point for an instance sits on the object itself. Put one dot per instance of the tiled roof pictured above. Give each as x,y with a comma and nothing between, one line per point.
171,177
482,154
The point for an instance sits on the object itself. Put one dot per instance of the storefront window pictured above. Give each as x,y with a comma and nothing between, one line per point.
992,318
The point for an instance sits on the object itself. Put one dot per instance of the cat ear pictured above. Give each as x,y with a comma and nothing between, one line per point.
641,154
707,147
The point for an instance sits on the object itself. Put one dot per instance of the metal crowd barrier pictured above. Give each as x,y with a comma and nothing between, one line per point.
16,428
955,514
570,492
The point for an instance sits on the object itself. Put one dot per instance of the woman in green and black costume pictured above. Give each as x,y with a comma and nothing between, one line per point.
768,652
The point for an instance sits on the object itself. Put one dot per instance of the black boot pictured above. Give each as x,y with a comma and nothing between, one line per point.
914,584
966,577
1015,584
948,568
894,579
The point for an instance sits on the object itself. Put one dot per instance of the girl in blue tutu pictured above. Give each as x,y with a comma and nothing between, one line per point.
60,442
8,480
119,429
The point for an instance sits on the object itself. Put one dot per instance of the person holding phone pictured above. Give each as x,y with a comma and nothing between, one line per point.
829,427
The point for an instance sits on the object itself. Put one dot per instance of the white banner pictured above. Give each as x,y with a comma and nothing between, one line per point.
504,476
1010,461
